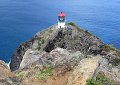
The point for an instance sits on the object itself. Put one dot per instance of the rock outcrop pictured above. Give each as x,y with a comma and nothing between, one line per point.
69,56
71,38
85,70
6,76
55,58
18,55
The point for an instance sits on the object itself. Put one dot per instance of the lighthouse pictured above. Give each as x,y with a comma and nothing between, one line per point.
61,20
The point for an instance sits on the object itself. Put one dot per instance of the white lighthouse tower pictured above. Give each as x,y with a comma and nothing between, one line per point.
61,20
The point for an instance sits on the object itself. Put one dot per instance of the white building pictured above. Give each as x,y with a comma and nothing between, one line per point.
61,20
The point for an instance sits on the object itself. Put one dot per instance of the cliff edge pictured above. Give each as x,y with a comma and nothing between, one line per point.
69,56
71,38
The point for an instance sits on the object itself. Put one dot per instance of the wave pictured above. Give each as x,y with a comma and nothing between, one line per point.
8,65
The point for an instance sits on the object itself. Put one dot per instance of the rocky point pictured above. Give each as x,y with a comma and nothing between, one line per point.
69,56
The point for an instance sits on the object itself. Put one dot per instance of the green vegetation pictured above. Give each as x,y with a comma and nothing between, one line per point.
40,42
101,79
20,75
50,30
116,61
80,30
108,48
92,82
73,24
117,53
47,71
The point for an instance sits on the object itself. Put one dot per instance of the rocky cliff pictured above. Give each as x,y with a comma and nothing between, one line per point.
71,38
69,56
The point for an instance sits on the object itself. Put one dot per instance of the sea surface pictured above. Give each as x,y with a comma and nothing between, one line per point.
21,19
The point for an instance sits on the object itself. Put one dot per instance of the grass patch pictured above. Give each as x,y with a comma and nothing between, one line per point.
80,30
74,25
92,82
20,75
101,79
116,62
40,42
47,71
108,48
117,53
50,30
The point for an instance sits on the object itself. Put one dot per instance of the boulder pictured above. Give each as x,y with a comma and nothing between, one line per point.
84,71
56,57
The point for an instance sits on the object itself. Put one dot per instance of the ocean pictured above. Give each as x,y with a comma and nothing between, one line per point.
21,19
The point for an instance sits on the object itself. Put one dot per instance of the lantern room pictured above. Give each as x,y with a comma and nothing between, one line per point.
61,20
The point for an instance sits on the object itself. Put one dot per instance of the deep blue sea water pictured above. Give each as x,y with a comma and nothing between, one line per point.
21,19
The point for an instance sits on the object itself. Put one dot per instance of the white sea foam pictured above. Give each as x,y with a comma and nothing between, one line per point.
8,64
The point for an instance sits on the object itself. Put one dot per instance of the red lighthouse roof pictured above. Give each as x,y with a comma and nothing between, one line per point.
61,14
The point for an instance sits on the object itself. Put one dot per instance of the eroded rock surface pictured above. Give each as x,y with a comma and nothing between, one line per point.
69,56
56,57
71,38
6,76
85,70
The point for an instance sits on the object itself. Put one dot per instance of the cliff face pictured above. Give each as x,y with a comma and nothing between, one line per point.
18,55
70,56
72,38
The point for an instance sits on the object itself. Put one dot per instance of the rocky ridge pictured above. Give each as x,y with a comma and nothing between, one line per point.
52,38
69,56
